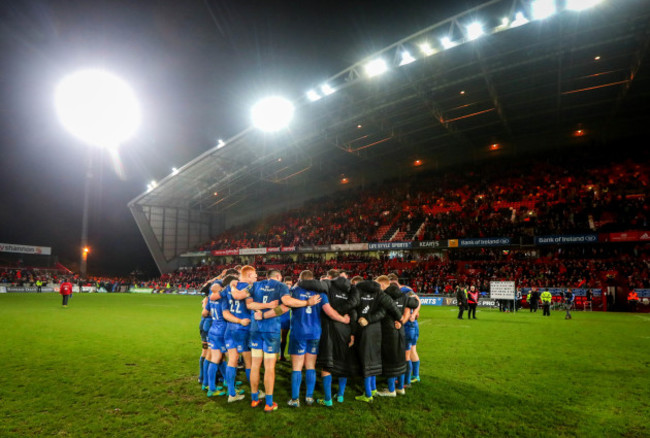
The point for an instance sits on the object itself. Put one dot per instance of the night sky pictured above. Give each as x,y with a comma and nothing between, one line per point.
196,67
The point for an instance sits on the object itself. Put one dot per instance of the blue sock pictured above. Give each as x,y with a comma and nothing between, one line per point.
408,372
206,364
248,374
400,382
296,380
212,376
255,396
391,384
416,368
367,383
310,380
342,382
327,387
222,368
269,399
201,360
374,383
231,372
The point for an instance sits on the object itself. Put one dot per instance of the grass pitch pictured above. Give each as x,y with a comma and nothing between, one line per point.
127,365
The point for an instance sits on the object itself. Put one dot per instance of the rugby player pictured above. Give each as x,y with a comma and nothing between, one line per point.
216,340
285,321
265,334
237,335
412,330
335,355
373,306
393,342
305,334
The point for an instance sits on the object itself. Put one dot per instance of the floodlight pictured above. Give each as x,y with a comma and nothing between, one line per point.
505,22
427,49
153,184
327,90
447,43
407,58
220,144
474,30
376,67
520,20
313,96
581,5
272,113
542,9
97,107
174,171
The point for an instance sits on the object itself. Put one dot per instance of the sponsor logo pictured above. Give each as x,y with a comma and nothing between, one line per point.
365,309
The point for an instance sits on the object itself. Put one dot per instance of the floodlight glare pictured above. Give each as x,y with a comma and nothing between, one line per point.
327,90
313,96
427,49
220,144
174,171
97,107
376,67
447,43
542,9
519,20
505,21
474,31
272,114
407,58
581,5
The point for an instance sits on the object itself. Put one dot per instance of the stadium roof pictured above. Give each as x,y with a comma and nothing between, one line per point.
572,76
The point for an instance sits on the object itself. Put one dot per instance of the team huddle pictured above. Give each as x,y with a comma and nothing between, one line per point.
347,328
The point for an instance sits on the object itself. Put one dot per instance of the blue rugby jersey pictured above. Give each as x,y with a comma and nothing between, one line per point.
305,321
236,307
405,290
216,314
266,291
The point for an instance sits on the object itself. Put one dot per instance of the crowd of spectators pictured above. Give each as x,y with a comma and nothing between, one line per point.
556,267
534,198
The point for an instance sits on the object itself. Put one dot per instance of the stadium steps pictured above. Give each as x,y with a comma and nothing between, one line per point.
398,236
381,231
390,233
413,235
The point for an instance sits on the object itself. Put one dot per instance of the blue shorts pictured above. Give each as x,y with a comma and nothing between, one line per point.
268,342
239,340
299,346
412,335
216,341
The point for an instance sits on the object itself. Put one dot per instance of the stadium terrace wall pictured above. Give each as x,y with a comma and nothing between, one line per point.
483,242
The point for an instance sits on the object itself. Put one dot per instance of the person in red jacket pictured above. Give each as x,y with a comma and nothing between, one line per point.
65,290
472,302
632,300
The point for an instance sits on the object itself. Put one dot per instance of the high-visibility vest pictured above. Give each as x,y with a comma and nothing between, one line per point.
547,297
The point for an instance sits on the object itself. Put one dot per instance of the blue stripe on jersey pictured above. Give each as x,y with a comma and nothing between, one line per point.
266,291
305,321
